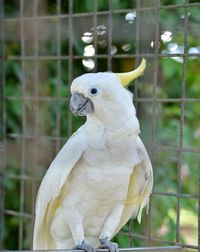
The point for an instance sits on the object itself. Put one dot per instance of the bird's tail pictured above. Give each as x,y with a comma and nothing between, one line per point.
42,238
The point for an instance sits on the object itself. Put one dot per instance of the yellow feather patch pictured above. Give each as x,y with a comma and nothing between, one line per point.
54,204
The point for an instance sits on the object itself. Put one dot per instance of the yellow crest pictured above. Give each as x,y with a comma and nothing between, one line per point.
127,77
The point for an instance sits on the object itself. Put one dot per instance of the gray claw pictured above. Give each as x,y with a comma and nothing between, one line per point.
111,246
84,246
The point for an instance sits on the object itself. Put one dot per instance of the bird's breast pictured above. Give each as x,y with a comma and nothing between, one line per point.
100,182
118,151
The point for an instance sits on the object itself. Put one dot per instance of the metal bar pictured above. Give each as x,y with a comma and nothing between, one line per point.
86,14
136,90
178,100
40,137
18,214
1,71
58,66
181,122
2,126
109,56
182,195
199,212
179,195
36,106
103,56
139,99
155,79
162,248
95,18
22,169
21,177
158,148
160,240
137,50
70,61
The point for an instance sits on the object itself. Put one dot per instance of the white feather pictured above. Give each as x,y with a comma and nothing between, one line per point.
55,178
100,177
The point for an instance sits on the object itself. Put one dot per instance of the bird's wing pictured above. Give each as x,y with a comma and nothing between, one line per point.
54,187
140,187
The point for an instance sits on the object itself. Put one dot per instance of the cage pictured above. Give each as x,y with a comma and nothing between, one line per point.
44,44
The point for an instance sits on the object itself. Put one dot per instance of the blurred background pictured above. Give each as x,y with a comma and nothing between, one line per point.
44,45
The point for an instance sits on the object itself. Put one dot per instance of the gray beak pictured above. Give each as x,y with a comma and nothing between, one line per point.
80,105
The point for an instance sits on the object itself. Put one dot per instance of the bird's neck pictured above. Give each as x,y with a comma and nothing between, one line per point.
118,122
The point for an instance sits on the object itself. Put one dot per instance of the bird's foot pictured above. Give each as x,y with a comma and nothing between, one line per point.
111,246
84,246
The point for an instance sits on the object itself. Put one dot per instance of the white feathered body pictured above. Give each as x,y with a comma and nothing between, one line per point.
107,168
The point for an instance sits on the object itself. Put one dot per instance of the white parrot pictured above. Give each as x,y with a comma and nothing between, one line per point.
102,176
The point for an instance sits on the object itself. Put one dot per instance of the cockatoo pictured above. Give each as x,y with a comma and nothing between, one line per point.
102,176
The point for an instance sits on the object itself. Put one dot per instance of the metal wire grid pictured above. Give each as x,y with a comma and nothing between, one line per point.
36,137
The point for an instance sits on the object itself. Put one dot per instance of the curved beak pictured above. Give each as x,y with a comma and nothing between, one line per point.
80,105
127,77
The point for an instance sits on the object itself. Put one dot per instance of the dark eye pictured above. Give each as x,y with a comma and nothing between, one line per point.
93,91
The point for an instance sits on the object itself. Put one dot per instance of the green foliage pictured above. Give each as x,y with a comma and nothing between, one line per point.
167,121
12,201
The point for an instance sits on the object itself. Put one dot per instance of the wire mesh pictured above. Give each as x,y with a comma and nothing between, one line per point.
43,47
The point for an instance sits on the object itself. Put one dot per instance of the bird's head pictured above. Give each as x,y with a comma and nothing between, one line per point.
99,92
